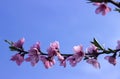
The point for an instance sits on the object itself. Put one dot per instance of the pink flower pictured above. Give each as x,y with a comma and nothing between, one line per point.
37,46
77,56
94,62
63,62
19,58
118,45
78,48
19,43
102,8
92,49
111,59
53,49
72,60
60,57
34,54
48,62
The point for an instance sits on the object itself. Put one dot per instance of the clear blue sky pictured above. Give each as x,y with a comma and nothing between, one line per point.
71,22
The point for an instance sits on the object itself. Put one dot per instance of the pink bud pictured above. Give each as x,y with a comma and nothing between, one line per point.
111,59
102,8
94,62
55,45
18,58
78,48
19,43
53,49
34,54
72,61
63,62
92,49
79,54
48,62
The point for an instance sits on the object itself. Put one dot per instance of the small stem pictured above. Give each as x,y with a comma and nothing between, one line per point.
115,3
21,50
9,42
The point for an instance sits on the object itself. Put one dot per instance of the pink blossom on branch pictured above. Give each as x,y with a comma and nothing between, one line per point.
77,56
48,62
53,49
19,58
102,8
94,62
62,59
72,60
92,49
36,45
34,54
63,62
111,59
79,53
19,43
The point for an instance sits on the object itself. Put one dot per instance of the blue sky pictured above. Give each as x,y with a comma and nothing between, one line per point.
71,22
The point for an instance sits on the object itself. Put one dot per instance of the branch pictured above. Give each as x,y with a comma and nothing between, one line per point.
116,3
35,54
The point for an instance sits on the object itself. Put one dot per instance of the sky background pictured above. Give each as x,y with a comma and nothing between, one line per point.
71,22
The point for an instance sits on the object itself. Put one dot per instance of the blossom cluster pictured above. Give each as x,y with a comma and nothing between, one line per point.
102,6
34,54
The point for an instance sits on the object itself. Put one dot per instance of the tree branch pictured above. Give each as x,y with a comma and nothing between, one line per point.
116,3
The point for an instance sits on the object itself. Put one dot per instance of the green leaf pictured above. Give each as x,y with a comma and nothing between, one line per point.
9,42
117,9
95,42
12,48
111,50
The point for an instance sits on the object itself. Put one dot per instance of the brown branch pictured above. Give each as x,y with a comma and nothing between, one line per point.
116,3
